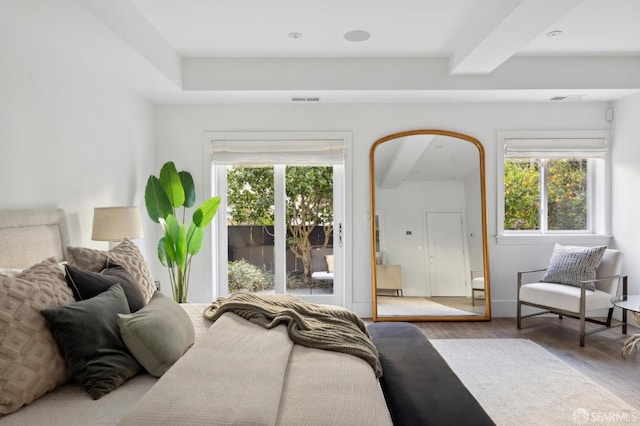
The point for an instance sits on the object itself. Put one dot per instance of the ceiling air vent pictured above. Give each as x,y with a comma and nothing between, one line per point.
558,98
303,99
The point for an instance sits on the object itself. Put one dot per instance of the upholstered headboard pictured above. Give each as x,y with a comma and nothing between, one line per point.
31,235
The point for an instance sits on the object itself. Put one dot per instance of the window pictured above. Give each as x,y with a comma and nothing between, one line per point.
553,186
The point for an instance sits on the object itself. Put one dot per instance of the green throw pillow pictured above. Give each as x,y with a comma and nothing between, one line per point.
158,334
88,336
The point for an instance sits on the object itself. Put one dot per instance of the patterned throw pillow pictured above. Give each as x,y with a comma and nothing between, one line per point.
125,254
570,265
30,361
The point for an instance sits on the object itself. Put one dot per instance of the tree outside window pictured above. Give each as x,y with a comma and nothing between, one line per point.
546,194
309,204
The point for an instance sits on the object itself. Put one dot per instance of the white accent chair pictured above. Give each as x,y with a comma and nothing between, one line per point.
575,302
477,285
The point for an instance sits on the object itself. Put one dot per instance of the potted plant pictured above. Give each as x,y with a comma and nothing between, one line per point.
180,242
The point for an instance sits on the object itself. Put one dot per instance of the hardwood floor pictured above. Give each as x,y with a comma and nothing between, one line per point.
463,303
600,359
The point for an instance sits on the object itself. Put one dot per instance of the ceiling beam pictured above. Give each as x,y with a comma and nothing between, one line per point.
501,29
128,24
406,156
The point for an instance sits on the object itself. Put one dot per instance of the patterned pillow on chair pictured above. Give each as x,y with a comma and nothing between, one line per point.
570,265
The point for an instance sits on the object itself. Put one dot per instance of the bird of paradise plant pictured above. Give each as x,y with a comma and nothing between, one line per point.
163,195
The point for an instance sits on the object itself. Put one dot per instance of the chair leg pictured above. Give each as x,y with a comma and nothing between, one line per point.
583,314
519,314
609,316
624,311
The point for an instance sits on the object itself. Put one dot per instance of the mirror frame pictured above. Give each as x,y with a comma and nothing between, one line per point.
483,196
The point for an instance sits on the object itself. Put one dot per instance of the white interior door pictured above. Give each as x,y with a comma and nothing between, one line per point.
445,254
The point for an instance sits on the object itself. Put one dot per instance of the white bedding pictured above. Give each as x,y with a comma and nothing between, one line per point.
220,378
241,373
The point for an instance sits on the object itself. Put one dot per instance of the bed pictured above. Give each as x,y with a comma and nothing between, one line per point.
235,371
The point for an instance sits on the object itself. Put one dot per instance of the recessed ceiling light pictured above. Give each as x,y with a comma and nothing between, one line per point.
295,36
357,35
554,33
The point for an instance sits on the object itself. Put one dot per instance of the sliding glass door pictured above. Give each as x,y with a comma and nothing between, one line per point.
281,227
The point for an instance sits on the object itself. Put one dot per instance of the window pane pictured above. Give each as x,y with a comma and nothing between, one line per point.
250,209
522,194
309,218
567,194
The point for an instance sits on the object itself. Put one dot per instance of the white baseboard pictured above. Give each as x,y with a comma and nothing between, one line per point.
362,309
503,308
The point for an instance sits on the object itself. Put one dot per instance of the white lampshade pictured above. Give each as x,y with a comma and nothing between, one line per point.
115,223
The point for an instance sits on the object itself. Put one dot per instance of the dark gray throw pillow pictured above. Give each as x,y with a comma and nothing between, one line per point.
158,334
87,284
88,336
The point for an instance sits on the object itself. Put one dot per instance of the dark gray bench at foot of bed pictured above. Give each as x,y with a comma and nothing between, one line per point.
418,385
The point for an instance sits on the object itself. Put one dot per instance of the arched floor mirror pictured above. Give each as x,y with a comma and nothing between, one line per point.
429,228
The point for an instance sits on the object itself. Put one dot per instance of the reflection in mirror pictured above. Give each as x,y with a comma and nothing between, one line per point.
428,228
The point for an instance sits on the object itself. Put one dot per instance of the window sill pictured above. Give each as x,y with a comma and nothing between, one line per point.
581,239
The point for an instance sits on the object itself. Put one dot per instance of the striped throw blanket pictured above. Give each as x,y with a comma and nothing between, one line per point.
315,326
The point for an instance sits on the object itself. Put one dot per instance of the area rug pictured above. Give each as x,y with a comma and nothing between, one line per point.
518,382
389,306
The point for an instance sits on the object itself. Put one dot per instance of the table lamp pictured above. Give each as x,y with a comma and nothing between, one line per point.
114,224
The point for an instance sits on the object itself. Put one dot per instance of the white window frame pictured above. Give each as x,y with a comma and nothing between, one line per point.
599,207
218,272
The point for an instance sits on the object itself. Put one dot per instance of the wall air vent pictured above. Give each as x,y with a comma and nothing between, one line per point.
303,99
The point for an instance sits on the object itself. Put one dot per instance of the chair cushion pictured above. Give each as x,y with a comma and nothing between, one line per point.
322,276
477,283
570,265
610,265
560,296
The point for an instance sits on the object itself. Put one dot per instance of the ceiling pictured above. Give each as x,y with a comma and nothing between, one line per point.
200,51
399,28
423,157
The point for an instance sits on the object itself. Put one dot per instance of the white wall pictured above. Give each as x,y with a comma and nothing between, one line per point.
403,210
179,131
625,180
70,137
